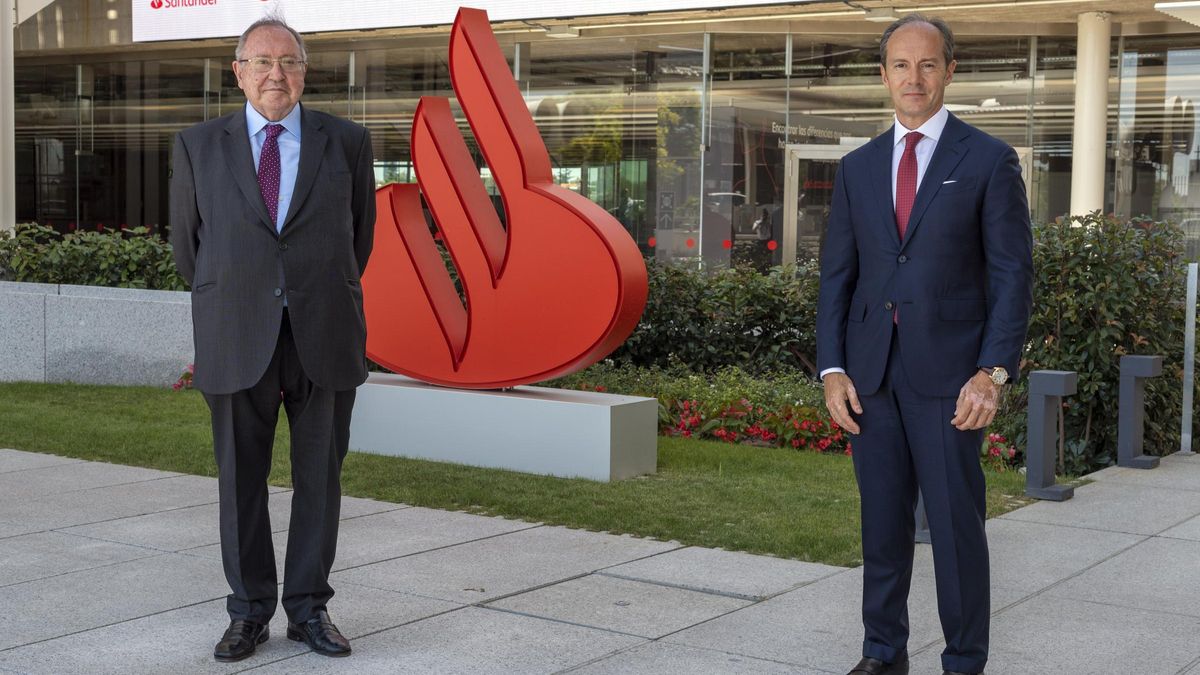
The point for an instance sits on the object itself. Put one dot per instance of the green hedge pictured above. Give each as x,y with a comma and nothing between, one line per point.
132,258
760,323
1104,288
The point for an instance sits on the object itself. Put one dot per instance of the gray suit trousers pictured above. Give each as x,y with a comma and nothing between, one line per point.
244,425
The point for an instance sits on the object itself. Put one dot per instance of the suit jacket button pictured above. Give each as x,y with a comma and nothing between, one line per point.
902,259
283,246
889,305
279,292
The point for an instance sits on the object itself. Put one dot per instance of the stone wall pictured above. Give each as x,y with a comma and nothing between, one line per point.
93,335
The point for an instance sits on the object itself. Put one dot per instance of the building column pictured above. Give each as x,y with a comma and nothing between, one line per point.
1091,113
8,128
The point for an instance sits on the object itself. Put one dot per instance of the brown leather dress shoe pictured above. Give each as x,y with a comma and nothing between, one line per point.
321,635
870,666
240,640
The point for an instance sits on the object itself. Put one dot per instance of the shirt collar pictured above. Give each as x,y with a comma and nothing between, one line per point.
932,128
255,121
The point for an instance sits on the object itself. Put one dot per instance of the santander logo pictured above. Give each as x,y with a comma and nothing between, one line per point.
173,4
552,291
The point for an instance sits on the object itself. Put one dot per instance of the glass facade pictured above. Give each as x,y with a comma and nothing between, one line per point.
699,143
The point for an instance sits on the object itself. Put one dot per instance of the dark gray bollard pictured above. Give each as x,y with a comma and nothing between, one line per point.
1132,415
1046,389
922,536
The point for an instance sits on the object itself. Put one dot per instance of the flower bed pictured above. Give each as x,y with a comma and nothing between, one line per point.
782,410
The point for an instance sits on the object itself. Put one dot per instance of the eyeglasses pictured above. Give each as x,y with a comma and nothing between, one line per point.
261,65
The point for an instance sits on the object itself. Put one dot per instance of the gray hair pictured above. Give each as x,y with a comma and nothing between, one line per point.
936,22
269,21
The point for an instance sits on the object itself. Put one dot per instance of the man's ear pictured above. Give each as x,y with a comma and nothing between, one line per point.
950,71
883,73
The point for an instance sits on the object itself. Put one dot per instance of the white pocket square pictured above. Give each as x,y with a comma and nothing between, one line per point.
947,182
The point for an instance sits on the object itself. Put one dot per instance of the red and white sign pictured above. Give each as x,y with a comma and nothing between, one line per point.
195,19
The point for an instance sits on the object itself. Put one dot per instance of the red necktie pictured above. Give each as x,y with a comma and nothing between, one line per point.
906,181
269,170
906,190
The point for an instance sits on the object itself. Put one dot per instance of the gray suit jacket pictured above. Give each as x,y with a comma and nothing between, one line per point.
240,270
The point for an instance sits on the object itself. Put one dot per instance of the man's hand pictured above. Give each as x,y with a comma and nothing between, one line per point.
977,403
839,391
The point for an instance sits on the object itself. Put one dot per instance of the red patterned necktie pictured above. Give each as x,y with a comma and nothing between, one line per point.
269,169
906,181
906,190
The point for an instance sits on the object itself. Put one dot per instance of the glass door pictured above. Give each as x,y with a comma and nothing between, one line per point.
808,193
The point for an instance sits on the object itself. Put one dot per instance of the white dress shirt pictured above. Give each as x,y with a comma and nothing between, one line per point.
931,131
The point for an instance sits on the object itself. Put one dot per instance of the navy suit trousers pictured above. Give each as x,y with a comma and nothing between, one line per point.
907,442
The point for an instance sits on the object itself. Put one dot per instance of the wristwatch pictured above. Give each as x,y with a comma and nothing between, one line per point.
998,375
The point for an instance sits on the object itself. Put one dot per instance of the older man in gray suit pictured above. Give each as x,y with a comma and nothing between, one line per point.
272,219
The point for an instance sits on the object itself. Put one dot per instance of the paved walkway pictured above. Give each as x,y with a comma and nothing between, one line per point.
114,569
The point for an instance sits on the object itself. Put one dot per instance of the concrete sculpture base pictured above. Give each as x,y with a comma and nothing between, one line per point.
555,432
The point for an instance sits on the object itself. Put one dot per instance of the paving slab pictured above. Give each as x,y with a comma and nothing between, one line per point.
1188,529
1033,556
818,626
56,479
17,460
1115,507
620,605
175,641
391,534
472,641
93,505
359,610
100,596
196,529
661,657
1183,475
710,570
1052,635
47,554
484,570
14,529
1158,575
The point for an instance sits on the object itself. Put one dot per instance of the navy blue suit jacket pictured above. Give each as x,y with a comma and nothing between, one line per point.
961,279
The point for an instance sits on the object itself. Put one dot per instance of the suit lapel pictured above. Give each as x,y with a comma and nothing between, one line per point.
881,184
240,159
949,152
312,150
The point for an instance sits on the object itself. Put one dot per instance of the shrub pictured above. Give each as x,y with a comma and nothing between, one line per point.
758,322
1104,288
132,258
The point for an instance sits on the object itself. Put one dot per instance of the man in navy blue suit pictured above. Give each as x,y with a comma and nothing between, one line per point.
926,278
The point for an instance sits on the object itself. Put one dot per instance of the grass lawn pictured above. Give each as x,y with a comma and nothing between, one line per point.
762,500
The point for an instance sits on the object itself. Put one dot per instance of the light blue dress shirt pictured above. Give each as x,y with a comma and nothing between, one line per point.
289,153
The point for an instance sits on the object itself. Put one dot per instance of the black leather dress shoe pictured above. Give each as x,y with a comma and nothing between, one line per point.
955,672
870,666
321,635
240,639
